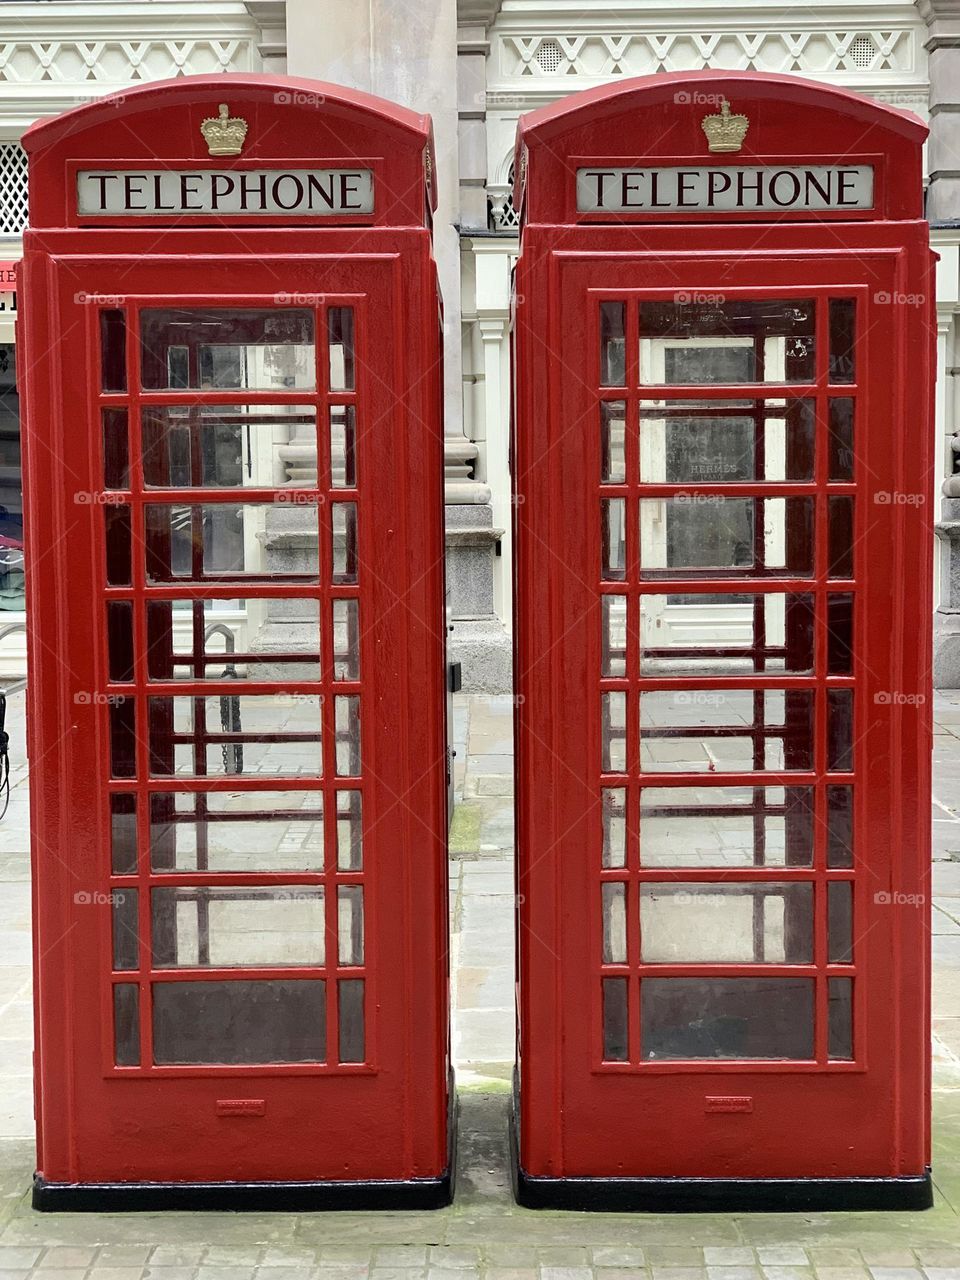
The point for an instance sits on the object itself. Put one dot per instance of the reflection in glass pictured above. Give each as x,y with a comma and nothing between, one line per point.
343,446
120,639
840,535
226,541
703,535
196,925
842,340
612,344
726,826
840,922
613,468
344,525
235,733
346,639
186,641
126,1024
614,992
840,453
123,833
349,831
126,928
210,349
728,730
725,441
614,904
613,711
350,923
726,1018
614,809
118,543
340,341
236,831
840,633
347,720
840,1018
735,923
743,340
215,445
840,729
123,738
746,632
116,451
237,1022
113,350
839,826
613,536
350,1020
613,639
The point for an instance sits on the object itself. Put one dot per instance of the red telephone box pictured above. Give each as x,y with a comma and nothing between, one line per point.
237,681
723,599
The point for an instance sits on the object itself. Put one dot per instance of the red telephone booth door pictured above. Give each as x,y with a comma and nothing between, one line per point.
723,735
238,719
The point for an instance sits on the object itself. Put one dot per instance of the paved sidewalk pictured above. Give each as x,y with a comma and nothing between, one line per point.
484,1233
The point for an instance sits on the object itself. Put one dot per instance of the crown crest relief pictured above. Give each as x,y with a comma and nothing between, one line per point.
224,134
724,131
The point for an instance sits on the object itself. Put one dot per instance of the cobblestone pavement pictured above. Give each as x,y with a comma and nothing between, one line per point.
483,1233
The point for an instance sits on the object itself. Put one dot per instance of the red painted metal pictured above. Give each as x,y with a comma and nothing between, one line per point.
812,1115
320,1119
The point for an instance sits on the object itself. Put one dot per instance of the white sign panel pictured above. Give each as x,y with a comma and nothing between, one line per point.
725,189
180,193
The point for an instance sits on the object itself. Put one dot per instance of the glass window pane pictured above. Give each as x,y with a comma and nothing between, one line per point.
840,729
726,826
123,833
126,1024
612,344
726,730
350,1020
746,340
272,640
615,1026
839,826
113,350
840,536
612,440
343,446
699,634
215,445
346,639
340,340
840,440
734,923
214,349
236,831
614,902
251,734
118,543
840,1018
231,542
613,710
613,639
614,809
842,340
120,639
236,1022
350,923
726,1018
344,523
725,441
116,450
349,831
840,922
840,633
123,738
703,535
613,535
126,928
347,719
198,925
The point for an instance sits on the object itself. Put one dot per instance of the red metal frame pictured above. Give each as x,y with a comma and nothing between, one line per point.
384,1118
581,1115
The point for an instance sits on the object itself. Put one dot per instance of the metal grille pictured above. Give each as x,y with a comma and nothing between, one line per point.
13,188
862,51
549,55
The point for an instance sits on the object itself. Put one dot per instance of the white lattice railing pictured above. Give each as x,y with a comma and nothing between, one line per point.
13,188
117,61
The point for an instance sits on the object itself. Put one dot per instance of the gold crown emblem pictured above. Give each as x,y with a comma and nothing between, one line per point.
224,135
724,131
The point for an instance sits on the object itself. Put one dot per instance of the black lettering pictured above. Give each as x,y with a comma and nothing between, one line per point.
259,182
600,175
714,178
186,190
315,187
221,184
684,178
775,179
298,191
654,184
813,184
742,185
346,190
129,191
846,178
103,179
630,185
158,204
